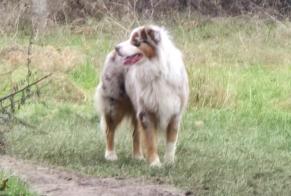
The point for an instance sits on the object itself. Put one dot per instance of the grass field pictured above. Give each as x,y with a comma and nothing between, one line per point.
236,133
13,187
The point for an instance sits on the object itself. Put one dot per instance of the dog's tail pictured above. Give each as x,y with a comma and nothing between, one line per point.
99,104
98,101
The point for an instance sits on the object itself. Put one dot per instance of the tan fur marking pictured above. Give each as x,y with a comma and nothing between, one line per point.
149,136
171,135
172,130
137,148
148,123
110,140
110,132
148,50
124,108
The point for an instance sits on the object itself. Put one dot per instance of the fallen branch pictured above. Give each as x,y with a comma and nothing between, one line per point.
24,88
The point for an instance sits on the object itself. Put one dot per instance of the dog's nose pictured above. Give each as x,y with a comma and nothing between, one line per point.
117,48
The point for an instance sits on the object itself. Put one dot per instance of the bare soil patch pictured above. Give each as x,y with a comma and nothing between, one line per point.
53,181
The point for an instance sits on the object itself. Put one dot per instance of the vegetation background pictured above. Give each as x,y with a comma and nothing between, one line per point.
236,133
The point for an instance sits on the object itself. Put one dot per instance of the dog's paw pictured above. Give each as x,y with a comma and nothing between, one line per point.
156,163
169,159
138,157
111,156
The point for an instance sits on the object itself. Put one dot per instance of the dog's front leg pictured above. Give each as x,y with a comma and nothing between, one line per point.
136,136
171,138
148,125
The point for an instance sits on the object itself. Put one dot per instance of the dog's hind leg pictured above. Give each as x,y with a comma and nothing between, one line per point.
147,122
110,127
171,138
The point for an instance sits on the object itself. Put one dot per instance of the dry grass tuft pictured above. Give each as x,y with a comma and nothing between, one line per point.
208,93
285,104
46,58
64,90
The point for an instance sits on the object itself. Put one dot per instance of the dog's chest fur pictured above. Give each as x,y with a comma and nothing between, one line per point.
150,90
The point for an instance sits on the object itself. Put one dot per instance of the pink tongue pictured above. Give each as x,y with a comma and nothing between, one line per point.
132,59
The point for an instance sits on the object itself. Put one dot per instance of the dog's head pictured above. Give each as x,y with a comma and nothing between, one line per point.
142,45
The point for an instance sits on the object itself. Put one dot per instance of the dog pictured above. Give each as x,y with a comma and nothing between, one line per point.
157,84
113,105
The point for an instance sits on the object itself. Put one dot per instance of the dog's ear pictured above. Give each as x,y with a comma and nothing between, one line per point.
154,35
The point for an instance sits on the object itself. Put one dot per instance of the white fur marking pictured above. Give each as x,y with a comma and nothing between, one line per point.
138,156
156,162
170,152
110,155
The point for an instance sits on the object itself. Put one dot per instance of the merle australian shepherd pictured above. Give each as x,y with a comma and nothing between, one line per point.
144,79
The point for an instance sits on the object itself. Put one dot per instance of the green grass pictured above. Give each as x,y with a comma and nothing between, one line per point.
85,76
239,72
14,186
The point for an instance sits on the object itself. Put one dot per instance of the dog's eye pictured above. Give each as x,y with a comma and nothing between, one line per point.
137,43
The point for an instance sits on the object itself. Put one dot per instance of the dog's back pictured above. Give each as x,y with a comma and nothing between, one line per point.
110,93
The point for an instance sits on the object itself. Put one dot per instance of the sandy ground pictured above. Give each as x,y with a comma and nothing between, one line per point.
60,182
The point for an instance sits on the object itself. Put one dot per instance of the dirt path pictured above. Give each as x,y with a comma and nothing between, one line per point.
59,182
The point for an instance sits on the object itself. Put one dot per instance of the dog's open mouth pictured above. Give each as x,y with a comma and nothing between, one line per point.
129,60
